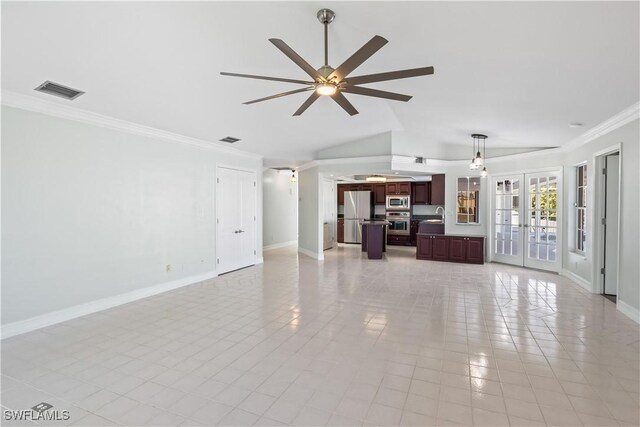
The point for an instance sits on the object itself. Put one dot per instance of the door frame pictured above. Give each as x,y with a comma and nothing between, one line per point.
560,209
598,213
216,210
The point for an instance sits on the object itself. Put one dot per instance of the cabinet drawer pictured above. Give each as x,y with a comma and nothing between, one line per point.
397,240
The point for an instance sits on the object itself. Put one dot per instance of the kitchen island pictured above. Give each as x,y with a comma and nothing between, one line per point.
374,238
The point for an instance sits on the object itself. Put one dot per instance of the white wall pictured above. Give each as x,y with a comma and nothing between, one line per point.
310,218
90,212
280,208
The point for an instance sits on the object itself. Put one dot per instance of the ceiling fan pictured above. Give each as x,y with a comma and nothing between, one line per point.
329,81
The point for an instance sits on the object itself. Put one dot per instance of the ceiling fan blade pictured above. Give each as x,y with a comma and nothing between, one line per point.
361,55
307,103
391,75
291,92
344,103
275,79
297,59
377,93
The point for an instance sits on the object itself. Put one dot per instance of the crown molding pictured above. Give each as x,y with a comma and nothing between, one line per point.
625,116
37,105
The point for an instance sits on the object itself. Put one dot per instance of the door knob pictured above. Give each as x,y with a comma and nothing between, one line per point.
240,231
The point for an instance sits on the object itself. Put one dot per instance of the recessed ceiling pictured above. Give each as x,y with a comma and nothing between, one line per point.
519,72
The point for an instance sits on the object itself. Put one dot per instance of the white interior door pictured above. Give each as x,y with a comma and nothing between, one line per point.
236,219
611,224
526,222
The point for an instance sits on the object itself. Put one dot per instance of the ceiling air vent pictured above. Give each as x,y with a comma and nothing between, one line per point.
59,90
230,139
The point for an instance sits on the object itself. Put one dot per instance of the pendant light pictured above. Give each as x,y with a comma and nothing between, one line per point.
477,161
293,176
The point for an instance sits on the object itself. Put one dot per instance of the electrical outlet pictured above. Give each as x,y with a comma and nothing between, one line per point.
168,268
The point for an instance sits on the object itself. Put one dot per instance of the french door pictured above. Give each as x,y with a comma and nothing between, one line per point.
236,219
526,222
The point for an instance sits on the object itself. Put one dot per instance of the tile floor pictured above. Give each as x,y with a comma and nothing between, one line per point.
344,342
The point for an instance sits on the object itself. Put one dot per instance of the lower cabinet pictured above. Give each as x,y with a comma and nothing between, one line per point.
340,230
441,247
413,231
396,239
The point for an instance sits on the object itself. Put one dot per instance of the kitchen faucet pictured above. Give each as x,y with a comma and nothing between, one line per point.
440,207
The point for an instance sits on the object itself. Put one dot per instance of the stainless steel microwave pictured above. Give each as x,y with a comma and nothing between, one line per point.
398,203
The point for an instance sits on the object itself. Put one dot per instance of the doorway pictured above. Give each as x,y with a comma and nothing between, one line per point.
610,225
236,201
526,220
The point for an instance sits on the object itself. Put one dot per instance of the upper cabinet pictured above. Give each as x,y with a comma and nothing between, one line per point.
378,190
421,193
399,188
379,194
341,190
437,189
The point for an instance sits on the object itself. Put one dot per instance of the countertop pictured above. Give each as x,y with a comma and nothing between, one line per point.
375,222
452,235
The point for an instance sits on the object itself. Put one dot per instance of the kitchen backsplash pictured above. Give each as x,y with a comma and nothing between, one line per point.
424,209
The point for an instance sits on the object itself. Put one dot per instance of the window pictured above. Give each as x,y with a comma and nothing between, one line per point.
467,200
581,208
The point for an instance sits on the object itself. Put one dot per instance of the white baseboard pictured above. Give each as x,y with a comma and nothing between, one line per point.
629,311
48,319
279,245
579,280
314,255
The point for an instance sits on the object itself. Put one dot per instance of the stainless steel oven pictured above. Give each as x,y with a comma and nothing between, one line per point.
398,203
399,223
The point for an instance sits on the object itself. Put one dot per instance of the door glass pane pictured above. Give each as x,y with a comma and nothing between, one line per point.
507,217
542,230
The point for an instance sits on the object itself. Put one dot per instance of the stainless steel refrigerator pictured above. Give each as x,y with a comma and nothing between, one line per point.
358,205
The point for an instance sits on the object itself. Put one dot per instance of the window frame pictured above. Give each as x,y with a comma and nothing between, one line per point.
580,204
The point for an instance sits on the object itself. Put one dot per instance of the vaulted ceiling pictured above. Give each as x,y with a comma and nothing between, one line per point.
519,72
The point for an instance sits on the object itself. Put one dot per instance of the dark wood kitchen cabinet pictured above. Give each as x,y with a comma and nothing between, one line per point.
437,190
433,247
421,193
457,249
398,239
413,231
399,188
424,247
380,194
340,230
475,250
441,247
341,190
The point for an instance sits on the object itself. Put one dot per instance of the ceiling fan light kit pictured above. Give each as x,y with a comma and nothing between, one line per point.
332,82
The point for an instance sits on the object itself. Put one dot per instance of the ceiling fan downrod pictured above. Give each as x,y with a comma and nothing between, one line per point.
326,16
